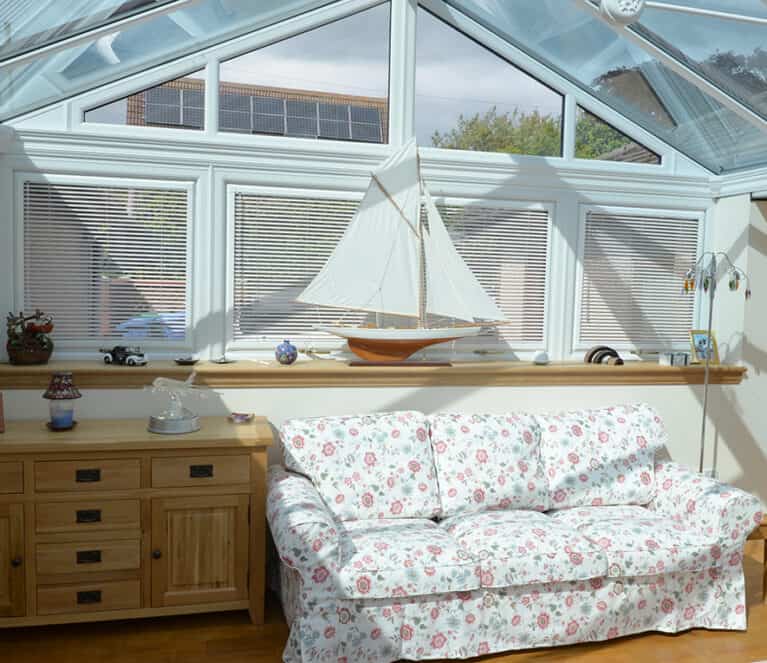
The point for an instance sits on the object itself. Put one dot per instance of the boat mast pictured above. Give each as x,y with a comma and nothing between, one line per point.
421,252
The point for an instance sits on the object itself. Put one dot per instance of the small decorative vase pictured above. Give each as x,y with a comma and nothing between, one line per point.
286,353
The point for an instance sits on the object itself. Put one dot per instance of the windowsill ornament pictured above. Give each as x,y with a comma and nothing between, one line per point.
61,394
175,419
28,340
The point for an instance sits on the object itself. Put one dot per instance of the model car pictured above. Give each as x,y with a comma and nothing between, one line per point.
124,355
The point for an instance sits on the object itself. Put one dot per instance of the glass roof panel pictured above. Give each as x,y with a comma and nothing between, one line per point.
730,54
139,46
29,24
582,48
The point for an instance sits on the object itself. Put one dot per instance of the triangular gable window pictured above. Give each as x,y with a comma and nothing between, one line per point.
179,103
328,83
469,98
596,139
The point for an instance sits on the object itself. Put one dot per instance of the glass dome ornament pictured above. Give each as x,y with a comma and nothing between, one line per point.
175,419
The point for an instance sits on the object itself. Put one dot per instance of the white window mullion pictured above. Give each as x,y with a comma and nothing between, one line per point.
402,71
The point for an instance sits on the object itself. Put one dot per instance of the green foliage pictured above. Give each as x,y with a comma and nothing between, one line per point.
528,133
514,133
594,137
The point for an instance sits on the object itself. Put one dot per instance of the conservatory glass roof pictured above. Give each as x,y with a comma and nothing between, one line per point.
692,72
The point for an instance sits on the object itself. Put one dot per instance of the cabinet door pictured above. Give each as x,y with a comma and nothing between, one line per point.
11,560
199,550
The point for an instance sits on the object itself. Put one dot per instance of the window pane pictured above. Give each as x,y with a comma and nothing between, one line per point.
138,47
595,139
633,268
728,53
585,50
31,24
107,262
317,84
469,98
179,103
506,248
281,244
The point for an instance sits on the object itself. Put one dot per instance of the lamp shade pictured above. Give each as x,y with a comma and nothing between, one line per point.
61,387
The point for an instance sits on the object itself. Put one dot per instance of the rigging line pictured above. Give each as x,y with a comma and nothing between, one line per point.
394,202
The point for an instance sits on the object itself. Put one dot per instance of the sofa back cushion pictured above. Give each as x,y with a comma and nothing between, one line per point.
372,466
599,457
488,461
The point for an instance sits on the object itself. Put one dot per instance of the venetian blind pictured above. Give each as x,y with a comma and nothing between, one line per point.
107,262
633,271
281,243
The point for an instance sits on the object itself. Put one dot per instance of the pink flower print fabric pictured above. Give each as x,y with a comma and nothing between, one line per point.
522,547
488,461
601,457
366,467
399,558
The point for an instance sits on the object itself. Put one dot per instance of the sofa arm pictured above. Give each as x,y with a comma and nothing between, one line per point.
723,512
304,531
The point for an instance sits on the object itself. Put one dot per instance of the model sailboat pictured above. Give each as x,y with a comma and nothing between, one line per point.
389,261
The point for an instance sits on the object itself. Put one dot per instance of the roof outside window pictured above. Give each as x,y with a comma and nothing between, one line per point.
586,50
26,25
162,38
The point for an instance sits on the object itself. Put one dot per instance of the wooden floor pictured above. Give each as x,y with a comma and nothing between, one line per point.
230,638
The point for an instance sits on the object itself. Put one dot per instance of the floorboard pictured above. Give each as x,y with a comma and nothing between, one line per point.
230,638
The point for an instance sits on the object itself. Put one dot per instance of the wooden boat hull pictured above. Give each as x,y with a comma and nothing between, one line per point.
372,344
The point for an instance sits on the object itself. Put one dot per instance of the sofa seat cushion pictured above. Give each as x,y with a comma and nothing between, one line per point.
640,542
524,547
375,466
598,457
488,460
399,557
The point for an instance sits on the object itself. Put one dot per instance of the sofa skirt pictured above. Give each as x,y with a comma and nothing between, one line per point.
467,624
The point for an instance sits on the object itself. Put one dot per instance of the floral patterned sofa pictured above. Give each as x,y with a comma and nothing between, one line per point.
405,536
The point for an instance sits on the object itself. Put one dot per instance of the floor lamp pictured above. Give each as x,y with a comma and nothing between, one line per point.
704,273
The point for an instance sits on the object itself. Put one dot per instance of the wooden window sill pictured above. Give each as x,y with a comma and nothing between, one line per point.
329,373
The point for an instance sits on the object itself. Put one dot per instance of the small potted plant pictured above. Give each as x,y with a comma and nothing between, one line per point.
28,340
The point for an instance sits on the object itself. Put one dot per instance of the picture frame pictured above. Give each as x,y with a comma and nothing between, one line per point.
700,344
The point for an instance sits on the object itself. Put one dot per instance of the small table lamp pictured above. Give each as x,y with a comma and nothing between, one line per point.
62,393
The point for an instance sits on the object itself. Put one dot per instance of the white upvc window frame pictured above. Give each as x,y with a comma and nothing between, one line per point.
401,93
262,349
579,346
88,348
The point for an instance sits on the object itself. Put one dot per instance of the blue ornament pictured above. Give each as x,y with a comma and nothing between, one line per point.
286,353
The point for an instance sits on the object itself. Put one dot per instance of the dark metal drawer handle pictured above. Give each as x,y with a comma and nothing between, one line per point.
86,598
89,557
89,516
201,471
88,476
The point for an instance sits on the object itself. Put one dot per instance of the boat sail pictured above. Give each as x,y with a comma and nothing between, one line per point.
389,261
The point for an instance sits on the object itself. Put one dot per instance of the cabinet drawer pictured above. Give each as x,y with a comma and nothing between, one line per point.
88,557
200,471
90,597
11,477
102,515
87,475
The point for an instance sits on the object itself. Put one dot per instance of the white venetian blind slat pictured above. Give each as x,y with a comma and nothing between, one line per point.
281,243
107,262
633,270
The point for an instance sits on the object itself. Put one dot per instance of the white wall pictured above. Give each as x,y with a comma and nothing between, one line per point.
739,415
679,405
